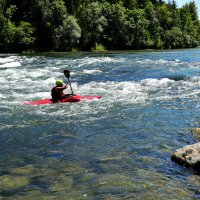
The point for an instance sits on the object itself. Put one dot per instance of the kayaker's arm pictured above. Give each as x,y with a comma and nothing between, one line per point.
61,88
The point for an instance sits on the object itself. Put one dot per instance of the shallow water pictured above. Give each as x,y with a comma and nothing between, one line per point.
118,147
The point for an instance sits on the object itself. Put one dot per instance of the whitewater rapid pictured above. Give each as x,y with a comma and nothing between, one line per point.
23,80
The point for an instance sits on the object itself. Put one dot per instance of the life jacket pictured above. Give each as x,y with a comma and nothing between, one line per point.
56,95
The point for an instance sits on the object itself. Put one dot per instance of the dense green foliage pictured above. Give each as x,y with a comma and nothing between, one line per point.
63,25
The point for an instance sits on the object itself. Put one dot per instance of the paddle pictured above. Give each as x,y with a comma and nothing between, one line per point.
67,75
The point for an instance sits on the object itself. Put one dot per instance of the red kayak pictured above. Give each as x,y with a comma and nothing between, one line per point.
73,98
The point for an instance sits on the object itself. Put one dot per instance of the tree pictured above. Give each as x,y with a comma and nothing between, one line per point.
92,23
142,3
14,38
60,25
193,10
17,38
174,38
130,4
189,20
165,17
68,34
22,13
126,29
142,38
153,26
52,15
118,33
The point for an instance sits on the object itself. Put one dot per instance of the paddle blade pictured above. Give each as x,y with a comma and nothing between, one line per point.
66,73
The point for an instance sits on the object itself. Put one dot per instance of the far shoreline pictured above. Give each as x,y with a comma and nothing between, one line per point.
94,52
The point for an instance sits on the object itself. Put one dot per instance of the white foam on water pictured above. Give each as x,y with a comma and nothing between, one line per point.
127,92
94,71
149,61
11,65
87,61
10,62
8,59
120,94
174,62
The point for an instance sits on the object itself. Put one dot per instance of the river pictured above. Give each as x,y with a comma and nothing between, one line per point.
117,147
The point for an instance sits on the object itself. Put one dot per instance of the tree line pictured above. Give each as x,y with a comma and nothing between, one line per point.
65,25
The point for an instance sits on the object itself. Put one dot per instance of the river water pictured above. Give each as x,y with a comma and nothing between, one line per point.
117,147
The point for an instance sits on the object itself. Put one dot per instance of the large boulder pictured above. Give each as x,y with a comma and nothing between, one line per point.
188,156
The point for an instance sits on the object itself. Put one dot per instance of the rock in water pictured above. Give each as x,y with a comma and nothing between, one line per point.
188,156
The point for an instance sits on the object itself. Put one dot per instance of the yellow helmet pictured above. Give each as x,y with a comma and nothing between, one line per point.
59,82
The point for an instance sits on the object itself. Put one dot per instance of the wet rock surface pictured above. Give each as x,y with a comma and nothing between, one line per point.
189,155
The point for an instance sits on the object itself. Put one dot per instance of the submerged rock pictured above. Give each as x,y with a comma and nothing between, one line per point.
196,133
188,156
8,182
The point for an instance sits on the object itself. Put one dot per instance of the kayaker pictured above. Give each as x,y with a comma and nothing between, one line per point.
57,91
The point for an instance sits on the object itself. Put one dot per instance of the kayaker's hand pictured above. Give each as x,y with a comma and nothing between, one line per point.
66,86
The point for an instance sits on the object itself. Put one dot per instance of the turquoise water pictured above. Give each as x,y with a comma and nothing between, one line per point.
118,147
